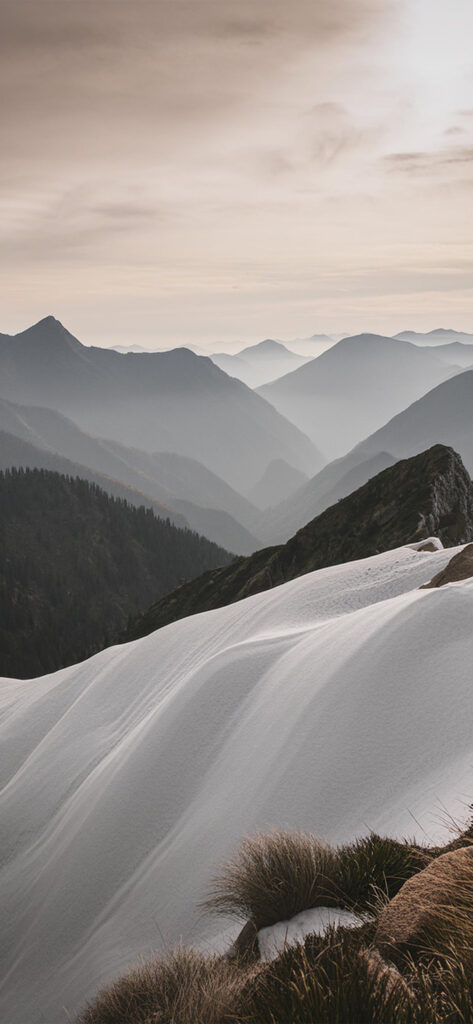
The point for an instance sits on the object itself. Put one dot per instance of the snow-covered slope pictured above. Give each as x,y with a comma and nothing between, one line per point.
338,702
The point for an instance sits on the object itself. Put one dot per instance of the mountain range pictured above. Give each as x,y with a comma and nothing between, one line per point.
301,685
20,454
189,493
439,336
278,483
336,480
430,494
443,415
353,388
258,364
455,353
172,401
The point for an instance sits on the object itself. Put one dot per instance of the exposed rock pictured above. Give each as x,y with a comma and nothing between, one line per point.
245,945
459,568
430,908
414,500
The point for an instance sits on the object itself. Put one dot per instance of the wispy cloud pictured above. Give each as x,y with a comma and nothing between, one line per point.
203,157
430,162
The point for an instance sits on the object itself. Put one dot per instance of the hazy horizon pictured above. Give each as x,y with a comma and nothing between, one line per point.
181,173
229,346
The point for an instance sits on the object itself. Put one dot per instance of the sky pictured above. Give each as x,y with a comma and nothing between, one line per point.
212,173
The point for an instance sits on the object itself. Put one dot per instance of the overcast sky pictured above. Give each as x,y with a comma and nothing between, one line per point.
209,171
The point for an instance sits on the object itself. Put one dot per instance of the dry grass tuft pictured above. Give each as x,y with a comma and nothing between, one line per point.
273,877
185,988
334,980
373,869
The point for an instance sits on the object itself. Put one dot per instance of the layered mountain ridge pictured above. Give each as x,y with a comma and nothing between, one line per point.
258,364
430,494
352,389
189,492
171,401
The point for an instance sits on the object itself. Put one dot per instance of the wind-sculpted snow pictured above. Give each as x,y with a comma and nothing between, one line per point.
336,703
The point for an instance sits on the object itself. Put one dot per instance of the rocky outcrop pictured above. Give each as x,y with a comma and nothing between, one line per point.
430,909
459,568
245,946
428,495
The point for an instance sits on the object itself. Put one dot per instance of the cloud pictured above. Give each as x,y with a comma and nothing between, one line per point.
430,162
183,152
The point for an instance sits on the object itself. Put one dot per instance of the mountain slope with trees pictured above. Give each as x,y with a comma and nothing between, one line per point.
77,564
214,523
165,477
18,454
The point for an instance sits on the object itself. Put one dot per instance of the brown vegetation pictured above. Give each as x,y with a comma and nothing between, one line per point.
341,976
185,988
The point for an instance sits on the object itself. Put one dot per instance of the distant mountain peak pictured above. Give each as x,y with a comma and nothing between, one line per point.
422,334
49,331
443,330
364,336
48,321
438,336
268,345
49,324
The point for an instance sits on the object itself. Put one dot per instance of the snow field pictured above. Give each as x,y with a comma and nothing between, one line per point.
336,703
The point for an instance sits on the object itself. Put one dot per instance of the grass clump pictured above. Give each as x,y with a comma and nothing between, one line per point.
346,975
335,980
185,988
275,876
340,978
374,868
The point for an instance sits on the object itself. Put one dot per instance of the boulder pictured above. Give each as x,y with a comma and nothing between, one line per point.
431,909
245,946
460,567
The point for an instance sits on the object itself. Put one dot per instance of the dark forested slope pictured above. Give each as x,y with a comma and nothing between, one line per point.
75,564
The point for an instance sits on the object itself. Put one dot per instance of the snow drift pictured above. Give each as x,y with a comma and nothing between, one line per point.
336,703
